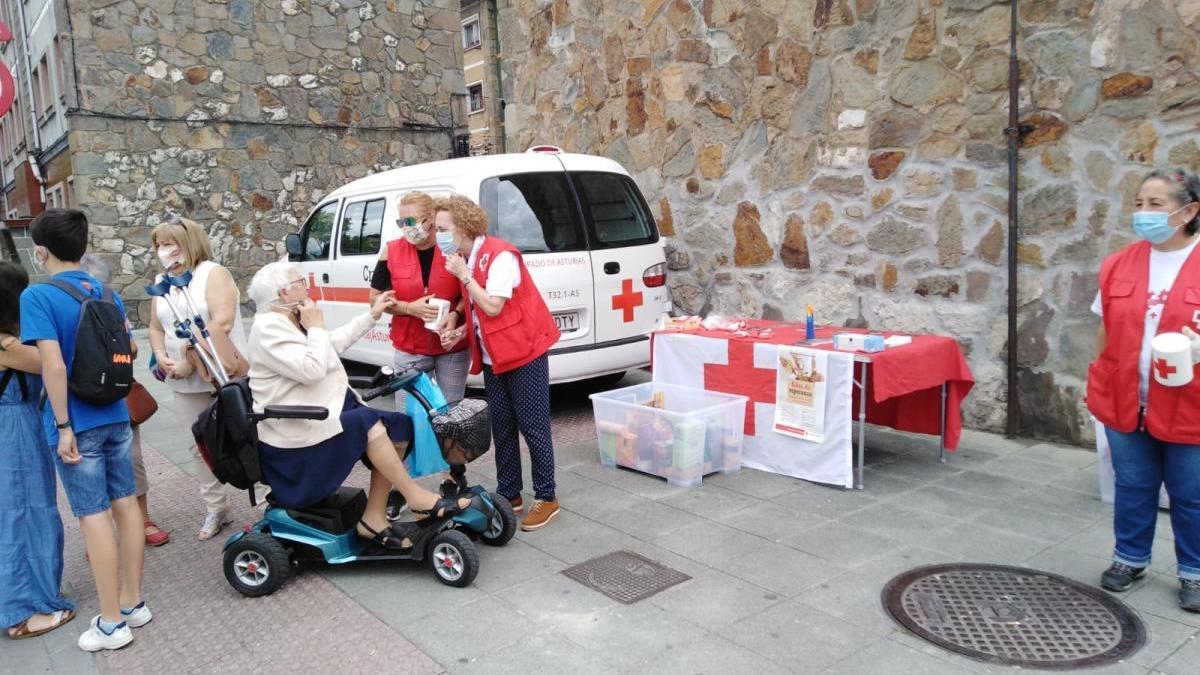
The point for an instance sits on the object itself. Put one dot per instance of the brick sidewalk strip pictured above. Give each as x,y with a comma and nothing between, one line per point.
201,624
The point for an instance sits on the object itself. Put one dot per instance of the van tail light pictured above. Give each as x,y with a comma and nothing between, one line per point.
549,149
655,275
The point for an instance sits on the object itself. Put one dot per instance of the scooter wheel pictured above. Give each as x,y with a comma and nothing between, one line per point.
453,558
257,564
502,525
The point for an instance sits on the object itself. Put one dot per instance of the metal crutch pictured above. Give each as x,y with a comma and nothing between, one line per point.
181,282
184,332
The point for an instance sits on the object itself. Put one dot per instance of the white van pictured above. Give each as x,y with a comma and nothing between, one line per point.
583,227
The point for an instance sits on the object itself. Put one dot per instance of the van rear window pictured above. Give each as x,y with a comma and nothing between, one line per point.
615,212
534,212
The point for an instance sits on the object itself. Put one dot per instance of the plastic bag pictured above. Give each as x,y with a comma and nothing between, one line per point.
426,456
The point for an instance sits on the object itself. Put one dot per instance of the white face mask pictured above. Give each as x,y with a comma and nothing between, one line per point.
169,256
415,234
39,261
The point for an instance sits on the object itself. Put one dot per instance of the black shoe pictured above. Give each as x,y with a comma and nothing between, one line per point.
1119,577
1189,595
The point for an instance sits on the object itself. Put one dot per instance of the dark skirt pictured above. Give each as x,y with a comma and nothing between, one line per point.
302,476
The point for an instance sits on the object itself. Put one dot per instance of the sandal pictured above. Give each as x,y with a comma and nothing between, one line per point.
390,539
155,538
21,630
445,507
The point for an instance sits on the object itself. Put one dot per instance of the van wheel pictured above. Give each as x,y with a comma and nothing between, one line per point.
610,380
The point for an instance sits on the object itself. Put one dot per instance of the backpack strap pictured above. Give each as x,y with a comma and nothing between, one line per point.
7,377
70,289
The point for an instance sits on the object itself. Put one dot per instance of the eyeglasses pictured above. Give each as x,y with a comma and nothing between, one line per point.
408,221
302,281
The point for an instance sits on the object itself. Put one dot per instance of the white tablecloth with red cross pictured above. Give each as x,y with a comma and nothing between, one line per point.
750,369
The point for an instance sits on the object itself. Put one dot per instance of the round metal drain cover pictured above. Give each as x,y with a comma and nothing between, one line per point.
1013,615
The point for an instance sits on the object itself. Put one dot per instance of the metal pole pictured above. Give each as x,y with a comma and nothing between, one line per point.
1014,138
862,424
942,447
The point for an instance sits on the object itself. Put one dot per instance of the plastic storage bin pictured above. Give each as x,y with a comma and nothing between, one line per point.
694,433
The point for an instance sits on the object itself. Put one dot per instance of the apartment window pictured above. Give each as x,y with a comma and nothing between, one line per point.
60,72
54,197
39,105
47,85
475,94
470,32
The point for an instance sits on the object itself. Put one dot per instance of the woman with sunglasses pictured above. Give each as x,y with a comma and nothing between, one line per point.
413,268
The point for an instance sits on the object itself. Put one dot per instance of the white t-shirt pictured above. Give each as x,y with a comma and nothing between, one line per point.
503,276
1164,269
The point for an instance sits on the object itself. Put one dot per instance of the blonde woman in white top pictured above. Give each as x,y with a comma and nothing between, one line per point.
182,246
294,360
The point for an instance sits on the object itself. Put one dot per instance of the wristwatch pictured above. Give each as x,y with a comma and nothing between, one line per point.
64,425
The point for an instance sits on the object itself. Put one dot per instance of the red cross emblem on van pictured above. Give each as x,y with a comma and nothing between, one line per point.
627,300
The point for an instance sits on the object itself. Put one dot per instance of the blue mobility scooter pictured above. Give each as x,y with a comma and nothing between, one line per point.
259,560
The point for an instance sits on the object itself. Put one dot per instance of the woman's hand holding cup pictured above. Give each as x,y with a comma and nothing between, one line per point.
421,309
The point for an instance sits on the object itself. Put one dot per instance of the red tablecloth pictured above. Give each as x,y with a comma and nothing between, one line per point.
904,386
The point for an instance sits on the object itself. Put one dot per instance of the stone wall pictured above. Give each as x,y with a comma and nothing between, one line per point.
851,154
241,114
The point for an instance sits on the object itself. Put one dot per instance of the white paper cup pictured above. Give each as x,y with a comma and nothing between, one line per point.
443,309
1171,359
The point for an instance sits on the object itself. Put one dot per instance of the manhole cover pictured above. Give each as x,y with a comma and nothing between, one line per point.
625,577
1013,615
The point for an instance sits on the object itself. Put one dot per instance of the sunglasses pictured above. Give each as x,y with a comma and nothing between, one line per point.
409,221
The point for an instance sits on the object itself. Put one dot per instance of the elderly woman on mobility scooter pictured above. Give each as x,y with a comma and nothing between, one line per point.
294,361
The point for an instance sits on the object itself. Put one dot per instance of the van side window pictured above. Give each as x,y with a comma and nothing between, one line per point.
614,209
362,228
318,232
534,212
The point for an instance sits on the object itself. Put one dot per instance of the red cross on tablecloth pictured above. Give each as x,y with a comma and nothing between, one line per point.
1164,369
627,300
742,378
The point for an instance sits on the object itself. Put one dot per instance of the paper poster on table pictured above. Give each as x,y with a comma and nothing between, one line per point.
800,393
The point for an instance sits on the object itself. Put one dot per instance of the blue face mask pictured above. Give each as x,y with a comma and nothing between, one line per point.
445,241
1153,226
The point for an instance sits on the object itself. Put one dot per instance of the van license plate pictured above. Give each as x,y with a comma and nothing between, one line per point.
567,322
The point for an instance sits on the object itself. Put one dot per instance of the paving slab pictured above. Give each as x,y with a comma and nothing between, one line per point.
795,635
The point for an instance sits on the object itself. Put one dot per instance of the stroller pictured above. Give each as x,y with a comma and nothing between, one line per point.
258,560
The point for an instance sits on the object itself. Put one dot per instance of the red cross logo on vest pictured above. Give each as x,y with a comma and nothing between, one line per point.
627,300
742,378
1164,369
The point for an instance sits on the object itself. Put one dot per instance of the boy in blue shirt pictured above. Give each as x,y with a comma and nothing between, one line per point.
92,441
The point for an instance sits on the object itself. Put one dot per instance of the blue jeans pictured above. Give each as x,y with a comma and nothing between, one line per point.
105,473
1142,464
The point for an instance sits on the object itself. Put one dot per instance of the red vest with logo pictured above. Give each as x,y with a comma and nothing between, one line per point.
524,328
409,333
1172,413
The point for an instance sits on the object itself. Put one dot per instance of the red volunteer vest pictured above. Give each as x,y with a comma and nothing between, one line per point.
1172,413
408,333
524,328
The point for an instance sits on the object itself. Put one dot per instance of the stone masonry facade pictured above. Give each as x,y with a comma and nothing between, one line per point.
241,114
851,154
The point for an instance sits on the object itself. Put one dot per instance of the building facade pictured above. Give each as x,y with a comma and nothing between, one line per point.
852,155
234,113
484,100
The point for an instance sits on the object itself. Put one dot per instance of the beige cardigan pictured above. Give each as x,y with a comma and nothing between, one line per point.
288,367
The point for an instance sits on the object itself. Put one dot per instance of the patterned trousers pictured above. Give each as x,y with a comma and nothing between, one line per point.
520,399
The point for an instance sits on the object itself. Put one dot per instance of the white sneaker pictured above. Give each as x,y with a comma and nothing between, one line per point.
138,616
95,639
214,522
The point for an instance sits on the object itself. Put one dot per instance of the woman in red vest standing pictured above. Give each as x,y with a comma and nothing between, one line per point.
415,269
1147,288
509,330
